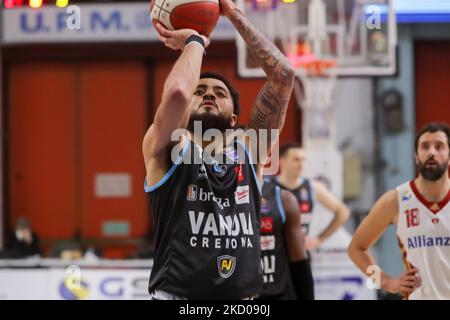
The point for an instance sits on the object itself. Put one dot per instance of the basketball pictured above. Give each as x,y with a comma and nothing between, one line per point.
200,15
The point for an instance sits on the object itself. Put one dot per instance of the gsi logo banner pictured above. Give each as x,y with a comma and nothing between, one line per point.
105,284
121,288
109,288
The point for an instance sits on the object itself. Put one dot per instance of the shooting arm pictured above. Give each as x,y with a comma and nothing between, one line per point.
270,107
172,112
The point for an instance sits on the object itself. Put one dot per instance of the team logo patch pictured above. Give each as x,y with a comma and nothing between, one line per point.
226,265
218,170
267,243
242,195
266,225
191,192
202,174
435,220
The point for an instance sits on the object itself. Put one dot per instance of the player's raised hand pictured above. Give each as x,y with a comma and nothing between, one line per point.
175,39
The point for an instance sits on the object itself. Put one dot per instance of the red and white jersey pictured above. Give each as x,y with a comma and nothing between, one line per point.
423,230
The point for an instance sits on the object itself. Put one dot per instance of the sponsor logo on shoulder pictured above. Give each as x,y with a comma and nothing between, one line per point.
242,195
226,265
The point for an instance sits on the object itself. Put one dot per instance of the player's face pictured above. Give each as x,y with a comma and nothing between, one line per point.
292,162
433,155
212,100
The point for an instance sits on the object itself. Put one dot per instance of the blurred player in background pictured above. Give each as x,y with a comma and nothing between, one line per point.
307,192
421,211
286,269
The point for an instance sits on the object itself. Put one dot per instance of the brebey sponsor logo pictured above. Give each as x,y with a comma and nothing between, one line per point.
194,193
241,195
267,243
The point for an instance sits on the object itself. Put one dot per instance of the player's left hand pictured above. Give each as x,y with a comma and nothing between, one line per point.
176,39
312,243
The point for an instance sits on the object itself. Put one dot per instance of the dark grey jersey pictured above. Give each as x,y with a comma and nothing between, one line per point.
274,258
304,194
206,217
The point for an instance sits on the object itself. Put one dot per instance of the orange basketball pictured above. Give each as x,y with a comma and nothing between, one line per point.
200,15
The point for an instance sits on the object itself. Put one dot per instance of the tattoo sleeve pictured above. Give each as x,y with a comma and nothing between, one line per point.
269,110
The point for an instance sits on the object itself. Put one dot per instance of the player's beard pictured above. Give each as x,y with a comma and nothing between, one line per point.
432,173
209,121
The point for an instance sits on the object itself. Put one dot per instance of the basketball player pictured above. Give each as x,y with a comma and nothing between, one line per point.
286,269
307,193
420,208
206,215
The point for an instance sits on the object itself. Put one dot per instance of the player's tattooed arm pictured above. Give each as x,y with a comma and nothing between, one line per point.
270,107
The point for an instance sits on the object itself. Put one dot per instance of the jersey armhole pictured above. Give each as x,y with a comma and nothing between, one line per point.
311,188
169,173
